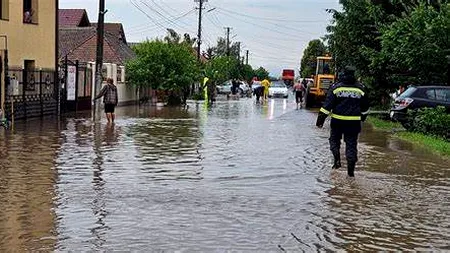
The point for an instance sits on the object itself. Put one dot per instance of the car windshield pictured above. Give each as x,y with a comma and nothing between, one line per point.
278,85
408,92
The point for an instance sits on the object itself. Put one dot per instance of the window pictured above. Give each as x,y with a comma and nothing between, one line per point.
30,11
431,94
443,95
29,66
119,75
4,9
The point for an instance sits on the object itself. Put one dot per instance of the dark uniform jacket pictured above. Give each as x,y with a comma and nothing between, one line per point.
346,103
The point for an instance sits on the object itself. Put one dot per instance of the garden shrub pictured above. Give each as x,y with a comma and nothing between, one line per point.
431,121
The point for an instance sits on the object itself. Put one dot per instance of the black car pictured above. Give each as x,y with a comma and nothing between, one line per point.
416,97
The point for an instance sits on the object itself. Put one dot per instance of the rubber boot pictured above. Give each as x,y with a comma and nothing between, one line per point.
337,162
351,169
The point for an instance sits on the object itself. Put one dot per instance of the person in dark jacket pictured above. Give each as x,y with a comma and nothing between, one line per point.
110,99
347,104
259,92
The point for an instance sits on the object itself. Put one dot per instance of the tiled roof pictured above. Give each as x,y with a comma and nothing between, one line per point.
73,18
81,44
115,29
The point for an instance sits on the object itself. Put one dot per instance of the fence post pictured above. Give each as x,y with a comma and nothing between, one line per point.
77,75
24,86
64,95
40,93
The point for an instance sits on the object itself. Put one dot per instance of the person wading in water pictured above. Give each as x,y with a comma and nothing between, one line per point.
110,99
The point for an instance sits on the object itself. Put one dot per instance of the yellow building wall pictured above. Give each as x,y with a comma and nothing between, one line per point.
31,41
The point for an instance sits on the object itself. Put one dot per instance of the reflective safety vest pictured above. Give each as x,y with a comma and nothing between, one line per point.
347,102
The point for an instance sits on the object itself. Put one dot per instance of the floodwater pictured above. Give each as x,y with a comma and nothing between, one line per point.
234,177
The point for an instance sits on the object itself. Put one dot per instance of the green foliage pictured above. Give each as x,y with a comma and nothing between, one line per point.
417,45
223,68
164,66
391,42
309,60
261,73
221,49
432,121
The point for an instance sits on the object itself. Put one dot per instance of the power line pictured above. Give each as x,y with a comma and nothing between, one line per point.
148,16
267,28
134,31
275,24
164,17
271,19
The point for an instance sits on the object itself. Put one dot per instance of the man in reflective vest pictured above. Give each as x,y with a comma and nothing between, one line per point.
347,105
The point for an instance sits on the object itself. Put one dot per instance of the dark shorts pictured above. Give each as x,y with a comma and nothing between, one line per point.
109,108
299,96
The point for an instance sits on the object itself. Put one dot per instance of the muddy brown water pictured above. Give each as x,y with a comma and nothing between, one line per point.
236,176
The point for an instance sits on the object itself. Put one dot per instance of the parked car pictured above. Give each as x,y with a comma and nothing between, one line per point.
278,89
416,97
225,88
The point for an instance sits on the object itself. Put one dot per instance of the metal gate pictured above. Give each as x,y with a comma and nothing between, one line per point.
76,92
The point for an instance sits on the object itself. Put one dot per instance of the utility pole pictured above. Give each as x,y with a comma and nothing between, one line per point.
239,51
99,59
199,35
228,40
246,58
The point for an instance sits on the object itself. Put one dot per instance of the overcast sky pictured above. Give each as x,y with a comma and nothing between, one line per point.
274,31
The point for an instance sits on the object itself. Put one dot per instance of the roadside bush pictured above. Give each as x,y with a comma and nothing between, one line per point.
431,121
198,96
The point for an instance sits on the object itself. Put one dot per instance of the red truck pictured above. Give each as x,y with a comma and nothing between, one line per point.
288,77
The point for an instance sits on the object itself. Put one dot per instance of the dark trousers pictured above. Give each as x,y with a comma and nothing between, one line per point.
350,134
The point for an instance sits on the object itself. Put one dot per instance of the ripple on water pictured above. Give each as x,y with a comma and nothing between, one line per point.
234,177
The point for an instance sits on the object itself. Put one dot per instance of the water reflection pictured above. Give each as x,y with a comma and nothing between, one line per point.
232,176
27,178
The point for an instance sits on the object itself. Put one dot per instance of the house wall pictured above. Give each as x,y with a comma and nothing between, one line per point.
127,94
29,41
34,41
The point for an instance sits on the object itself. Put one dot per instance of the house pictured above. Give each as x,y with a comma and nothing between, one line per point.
28,56
78,43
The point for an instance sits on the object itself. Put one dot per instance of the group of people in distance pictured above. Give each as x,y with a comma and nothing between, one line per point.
262,91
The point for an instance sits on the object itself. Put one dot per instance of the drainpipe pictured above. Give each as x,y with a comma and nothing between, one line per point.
5,70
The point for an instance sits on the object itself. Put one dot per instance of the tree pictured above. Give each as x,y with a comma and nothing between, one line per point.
164,66
221,69
389,43
417,45
261,73
309,60
173,37
221,48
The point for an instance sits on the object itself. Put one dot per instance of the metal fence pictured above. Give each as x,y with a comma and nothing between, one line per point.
31,93
76,93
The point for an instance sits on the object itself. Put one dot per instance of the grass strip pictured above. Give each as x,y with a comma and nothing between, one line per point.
432,143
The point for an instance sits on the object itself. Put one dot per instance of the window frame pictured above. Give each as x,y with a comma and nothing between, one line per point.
32,6
4,13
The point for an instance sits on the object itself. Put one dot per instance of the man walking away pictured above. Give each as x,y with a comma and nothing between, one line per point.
298,91
259,92
110,99
348,105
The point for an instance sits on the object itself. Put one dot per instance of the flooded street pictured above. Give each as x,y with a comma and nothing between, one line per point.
236,176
